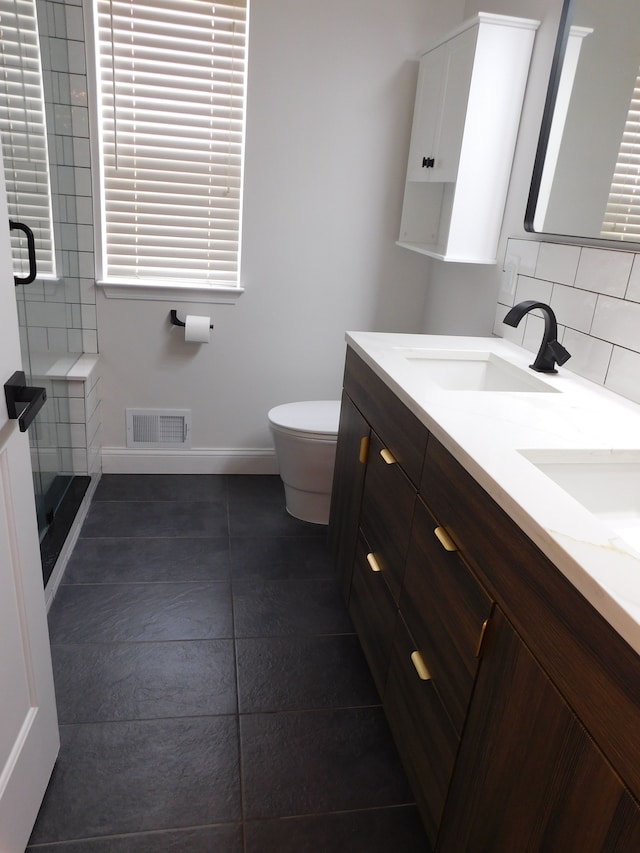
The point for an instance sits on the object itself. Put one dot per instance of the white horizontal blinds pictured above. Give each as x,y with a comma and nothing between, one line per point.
172,90
23,131
622,216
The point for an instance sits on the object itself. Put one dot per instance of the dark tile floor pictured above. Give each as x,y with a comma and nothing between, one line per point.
212,694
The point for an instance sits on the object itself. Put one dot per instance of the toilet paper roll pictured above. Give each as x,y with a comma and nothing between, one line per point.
196,329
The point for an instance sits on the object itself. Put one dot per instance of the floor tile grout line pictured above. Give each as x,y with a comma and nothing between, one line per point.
229,638
223,823
255,713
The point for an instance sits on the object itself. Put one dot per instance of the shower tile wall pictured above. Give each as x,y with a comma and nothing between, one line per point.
595,294
59,316
79,411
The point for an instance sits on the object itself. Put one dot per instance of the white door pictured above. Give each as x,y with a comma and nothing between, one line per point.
29,739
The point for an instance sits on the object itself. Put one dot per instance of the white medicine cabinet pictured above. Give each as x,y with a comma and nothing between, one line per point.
470,90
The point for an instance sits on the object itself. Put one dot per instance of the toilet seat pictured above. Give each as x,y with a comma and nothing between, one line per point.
315,419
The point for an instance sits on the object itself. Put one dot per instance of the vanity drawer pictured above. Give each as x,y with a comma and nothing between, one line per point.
402,433
445,608
387,511
426,740
373,612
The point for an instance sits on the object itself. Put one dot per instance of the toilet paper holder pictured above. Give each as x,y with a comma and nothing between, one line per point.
175,321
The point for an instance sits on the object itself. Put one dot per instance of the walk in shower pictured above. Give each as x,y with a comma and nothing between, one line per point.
45,148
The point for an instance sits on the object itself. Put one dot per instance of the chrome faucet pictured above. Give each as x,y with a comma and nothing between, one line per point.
550,350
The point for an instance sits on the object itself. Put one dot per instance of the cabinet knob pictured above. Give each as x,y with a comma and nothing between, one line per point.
364,449
373,563
445,540
421,668
428,162
388,456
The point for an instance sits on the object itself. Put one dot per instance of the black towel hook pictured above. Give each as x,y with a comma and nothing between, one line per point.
175,321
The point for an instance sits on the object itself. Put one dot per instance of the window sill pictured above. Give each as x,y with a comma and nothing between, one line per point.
168,291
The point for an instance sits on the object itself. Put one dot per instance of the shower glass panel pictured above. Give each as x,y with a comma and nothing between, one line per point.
50,432
52,308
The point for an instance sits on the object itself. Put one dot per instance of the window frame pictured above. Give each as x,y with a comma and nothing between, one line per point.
121,288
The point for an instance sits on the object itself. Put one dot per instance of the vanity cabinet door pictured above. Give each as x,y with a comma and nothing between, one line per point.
373,613
528,777
446,610
346,494
421,728
387,512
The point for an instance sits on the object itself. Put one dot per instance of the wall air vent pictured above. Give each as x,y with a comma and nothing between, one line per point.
169,428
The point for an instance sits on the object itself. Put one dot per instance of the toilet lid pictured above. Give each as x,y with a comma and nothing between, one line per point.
317,416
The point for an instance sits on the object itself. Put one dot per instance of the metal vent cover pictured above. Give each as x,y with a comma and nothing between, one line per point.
170,428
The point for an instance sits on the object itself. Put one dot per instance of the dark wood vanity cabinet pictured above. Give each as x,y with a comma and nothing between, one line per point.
346,494
514,705
386,513
442,614
446,610
422,729
373,612
528,777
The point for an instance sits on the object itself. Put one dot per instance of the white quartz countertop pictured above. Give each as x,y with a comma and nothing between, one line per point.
486,432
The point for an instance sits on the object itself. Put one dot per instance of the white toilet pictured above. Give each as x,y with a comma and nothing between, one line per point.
305,436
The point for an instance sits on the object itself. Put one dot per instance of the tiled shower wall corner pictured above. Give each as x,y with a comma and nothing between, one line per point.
69,427
595,294
61,314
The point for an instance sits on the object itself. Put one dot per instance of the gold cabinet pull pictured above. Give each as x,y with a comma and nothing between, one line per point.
483,631
421,667
388,456
373,563
445,540
364,449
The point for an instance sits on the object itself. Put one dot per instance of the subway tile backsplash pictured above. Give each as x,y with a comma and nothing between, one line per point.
595,294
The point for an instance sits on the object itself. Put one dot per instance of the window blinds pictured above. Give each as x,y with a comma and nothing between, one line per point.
172,106
23,131
622,216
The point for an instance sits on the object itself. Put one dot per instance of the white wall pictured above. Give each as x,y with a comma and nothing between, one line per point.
330,98
461,298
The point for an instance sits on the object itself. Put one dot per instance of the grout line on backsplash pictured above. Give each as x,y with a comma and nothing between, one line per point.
612,281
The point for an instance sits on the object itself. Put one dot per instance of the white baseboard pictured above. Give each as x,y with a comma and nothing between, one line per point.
122,460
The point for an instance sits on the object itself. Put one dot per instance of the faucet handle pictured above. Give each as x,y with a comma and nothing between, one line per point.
558,352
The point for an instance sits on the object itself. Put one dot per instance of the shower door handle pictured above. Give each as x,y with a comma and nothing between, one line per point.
23,401
31,252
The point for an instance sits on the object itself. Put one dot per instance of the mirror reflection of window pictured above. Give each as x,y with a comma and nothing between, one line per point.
23,131
581,135
622,216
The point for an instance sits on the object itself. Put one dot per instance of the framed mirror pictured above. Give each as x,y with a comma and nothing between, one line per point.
586,179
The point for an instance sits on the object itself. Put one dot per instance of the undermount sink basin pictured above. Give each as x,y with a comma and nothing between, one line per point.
604,482
473,371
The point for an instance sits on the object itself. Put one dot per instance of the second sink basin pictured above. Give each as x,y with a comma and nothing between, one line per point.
472,371
605,482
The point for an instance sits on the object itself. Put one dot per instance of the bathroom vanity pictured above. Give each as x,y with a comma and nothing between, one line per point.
499,615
